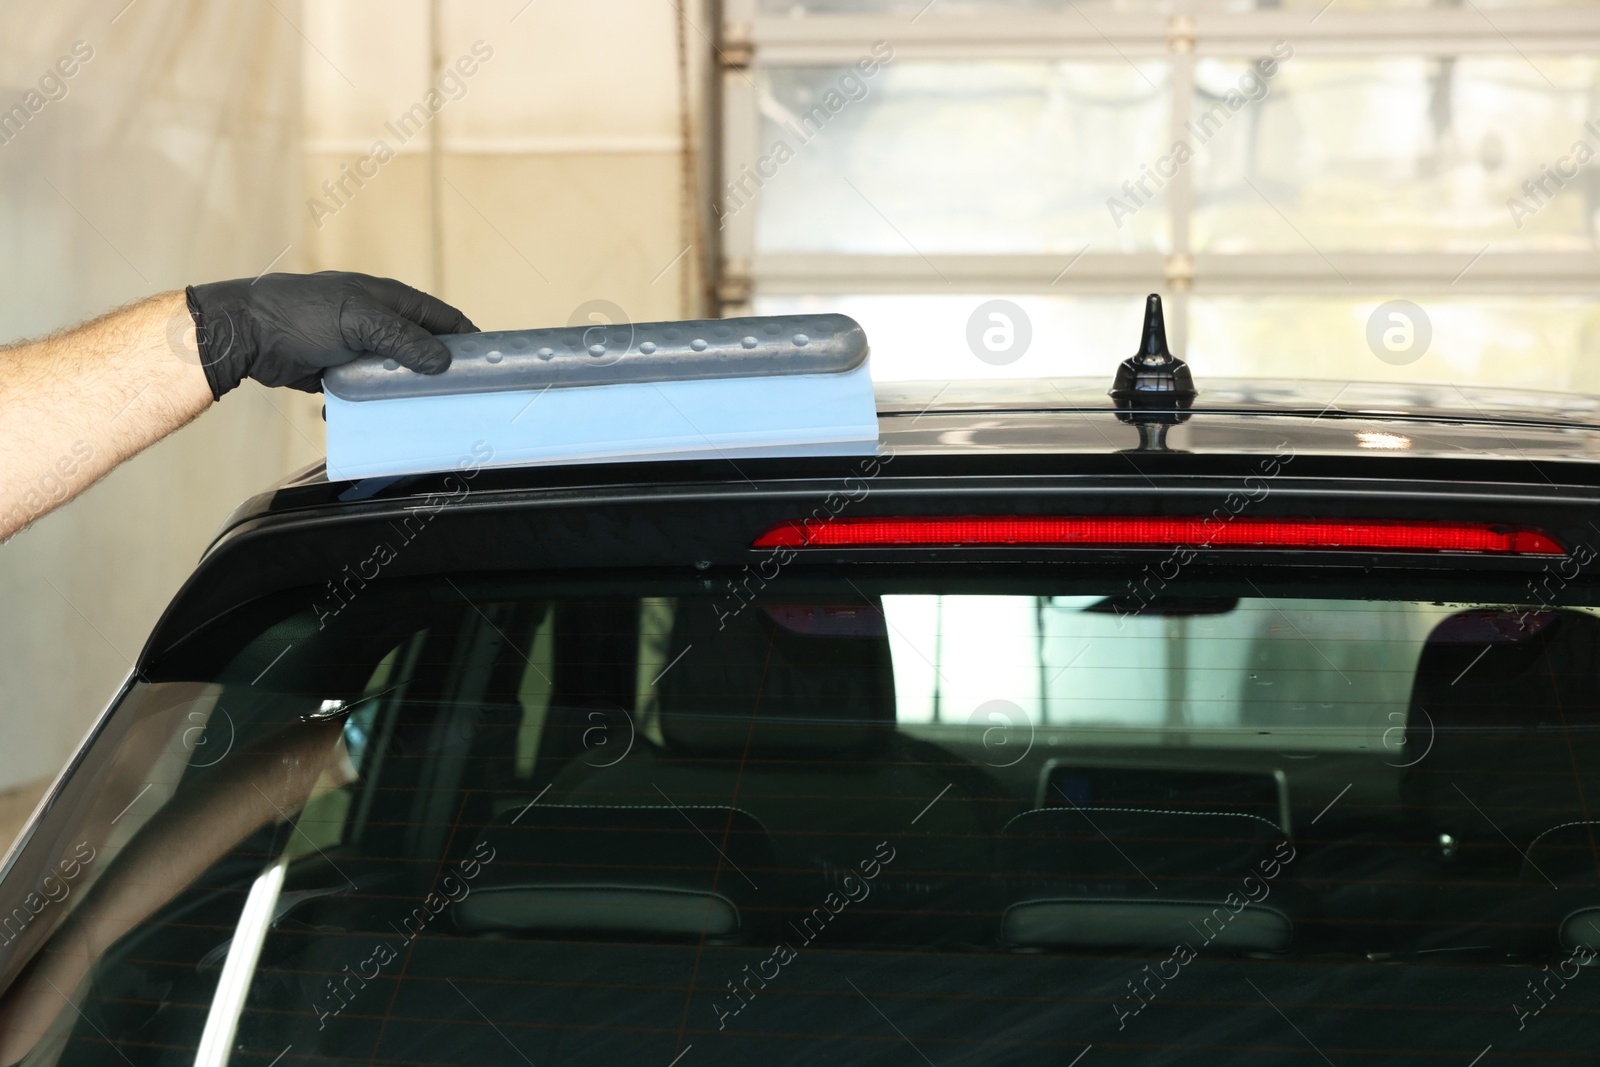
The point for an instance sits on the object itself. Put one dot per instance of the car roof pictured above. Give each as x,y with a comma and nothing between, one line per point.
1374,450
1247,416
1405,401
995,419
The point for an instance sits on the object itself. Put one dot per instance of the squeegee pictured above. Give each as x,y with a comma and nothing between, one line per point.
788,385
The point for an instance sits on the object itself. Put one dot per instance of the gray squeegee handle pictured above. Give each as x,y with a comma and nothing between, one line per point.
616,354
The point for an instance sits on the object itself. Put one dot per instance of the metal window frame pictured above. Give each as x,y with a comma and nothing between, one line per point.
1193,29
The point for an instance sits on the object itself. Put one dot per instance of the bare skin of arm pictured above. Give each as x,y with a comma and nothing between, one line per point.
199,825
79,402
83,400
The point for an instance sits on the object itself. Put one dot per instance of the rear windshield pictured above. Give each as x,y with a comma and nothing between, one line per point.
871,819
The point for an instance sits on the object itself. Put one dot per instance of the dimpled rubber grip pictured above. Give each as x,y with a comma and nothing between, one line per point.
617,354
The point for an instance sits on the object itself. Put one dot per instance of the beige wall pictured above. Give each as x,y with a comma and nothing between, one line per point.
172,158
211,127
559,177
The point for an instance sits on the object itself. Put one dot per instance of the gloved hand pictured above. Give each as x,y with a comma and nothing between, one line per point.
286,329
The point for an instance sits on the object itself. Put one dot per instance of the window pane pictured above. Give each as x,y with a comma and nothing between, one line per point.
926,337
1316,6
1234,674
856,804
955,157
1401,154
1524,342
801,8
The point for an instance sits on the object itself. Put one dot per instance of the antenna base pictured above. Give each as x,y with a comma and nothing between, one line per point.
1153,378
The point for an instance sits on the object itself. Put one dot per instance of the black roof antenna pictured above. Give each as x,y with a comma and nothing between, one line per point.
1153,388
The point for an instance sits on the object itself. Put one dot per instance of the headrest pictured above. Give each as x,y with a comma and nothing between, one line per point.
1164,788
657,872
1568,855
1560,870
1109,877
1110,846
1506,706
795,681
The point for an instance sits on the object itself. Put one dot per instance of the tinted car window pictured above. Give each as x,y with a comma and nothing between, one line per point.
513,822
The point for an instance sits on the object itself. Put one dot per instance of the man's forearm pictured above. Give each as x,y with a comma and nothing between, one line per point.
77,403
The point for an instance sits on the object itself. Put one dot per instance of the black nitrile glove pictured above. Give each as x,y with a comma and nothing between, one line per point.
286,329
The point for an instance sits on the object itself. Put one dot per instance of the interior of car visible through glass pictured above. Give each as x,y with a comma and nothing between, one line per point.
507,821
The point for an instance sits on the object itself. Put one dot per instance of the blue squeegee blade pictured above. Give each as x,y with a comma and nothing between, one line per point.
732,418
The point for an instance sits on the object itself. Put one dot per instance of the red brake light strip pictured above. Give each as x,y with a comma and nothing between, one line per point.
1322,534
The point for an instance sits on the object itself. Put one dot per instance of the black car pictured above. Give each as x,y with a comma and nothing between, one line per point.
1254,727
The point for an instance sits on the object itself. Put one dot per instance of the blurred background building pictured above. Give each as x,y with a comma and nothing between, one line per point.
1281,171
